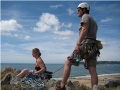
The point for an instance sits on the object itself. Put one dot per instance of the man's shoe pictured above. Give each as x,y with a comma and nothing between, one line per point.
95,87
58,86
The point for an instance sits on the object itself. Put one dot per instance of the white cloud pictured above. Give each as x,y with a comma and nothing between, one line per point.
15,57
16,35
27,37
70,11
42,27
57,50
68,26
106,20
65,32
62,38
110,51
56,6
49,19
7,45
5,33
49,22
9,25
52,49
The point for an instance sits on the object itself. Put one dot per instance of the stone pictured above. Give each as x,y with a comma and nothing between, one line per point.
9,81
6,79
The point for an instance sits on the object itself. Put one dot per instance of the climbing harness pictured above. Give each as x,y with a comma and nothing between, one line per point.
74,59
89,47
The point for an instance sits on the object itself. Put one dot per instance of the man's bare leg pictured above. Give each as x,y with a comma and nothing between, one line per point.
94,77
66,72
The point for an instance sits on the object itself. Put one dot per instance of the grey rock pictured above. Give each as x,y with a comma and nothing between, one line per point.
112,84
6,79
51,88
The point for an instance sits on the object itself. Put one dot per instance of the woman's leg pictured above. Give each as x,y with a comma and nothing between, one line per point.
23,73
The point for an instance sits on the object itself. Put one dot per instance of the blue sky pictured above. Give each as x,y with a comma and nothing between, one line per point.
52,26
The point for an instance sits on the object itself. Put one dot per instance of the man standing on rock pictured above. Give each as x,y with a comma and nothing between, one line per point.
87,33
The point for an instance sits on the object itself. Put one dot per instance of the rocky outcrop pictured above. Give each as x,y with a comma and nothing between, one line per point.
113,84
6,79
7,74
10,82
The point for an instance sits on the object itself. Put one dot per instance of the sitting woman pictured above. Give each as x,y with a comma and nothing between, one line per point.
39,66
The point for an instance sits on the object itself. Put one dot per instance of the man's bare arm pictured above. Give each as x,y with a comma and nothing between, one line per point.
83,33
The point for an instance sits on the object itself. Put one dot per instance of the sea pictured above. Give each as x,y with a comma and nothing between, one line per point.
57,69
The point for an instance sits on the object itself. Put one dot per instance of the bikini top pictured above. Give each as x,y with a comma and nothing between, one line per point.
37,68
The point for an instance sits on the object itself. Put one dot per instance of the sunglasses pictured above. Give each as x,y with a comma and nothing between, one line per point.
78,10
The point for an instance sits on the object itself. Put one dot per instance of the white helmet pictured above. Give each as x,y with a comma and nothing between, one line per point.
84,5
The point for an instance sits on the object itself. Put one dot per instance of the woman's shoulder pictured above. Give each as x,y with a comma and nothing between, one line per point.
39,59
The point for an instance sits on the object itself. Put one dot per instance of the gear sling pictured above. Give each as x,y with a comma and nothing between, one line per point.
89,48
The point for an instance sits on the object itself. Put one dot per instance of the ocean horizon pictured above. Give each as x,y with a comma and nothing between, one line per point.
102,69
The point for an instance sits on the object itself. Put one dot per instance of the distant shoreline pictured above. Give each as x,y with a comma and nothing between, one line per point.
102,69
88,76
98,62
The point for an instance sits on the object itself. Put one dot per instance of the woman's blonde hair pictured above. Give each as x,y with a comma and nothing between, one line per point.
36,50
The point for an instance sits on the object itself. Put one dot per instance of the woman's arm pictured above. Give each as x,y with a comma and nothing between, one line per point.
41,64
